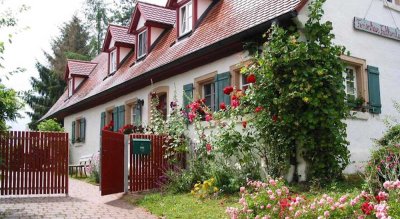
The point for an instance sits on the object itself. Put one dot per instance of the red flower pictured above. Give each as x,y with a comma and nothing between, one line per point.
228,90
244,124
259,109
222,106
208,147
251,78
209,117
235,103
274,118
367,208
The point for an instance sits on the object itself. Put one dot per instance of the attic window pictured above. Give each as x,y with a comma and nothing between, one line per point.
186,18
113,61
142,41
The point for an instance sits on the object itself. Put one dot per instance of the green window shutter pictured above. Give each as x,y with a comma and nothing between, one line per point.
221,81
121,117
73,132
115,119
187,95
102,121
374,90
82,128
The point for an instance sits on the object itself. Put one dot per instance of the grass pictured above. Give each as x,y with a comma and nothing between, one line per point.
186,205
85,179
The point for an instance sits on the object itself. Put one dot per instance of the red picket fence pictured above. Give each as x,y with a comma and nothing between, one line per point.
146,171
33,163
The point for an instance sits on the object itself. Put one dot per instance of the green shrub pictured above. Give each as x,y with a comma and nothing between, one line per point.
384,165
391,137
50,125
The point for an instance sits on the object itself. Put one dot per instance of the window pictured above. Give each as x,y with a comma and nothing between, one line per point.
70,87
162,106
395,2
209,95
243,85
78,130
134,112
142,41
350,82
113,61
186,18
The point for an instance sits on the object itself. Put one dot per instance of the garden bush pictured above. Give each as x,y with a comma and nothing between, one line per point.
50,125
384,165
273,199
93,169
391,137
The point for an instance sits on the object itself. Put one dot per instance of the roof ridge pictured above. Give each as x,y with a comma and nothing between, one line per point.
81,61
146,3
116,25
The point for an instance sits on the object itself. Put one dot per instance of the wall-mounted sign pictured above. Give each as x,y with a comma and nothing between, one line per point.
375,28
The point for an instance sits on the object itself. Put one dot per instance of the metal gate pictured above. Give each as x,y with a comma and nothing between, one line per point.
33,163
112,163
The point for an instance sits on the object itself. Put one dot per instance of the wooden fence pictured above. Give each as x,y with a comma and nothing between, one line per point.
146,171
33,163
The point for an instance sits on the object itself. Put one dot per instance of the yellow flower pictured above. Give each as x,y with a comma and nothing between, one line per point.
306,99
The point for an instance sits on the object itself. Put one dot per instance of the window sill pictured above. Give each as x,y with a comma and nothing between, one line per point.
185,35
77,145
357,115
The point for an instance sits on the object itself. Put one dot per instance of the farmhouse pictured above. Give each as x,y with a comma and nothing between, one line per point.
196,47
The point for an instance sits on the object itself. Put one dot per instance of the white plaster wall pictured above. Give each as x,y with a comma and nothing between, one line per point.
123,53
78,81
377,51
202,7
155,33
112,43
141,22
92,143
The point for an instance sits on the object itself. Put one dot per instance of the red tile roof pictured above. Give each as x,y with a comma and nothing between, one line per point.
120,34
228,19
157,13
80,68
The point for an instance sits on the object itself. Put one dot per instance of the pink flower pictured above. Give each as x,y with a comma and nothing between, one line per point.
269,206
191,116
208,148
242,189
279,192
209,117
272,182
326,214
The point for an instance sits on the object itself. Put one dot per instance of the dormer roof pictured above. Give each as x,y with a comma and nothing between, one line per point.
79,68
161,16
120,36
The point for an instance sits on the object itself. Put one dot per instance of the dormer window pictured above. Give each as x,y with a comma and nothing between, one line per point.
142,44
113,61
70,87
186,18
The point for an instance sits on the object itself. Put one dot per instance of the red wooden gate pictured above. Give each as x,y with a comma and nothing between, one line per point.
146,171
33,163
112,163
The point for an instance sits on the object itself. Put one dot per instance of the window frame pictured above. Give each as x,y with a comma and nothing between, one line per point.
361,76
157,90
184,19
78,131
354,81
70,87
144,46
393,4
212,94
113,61
199,82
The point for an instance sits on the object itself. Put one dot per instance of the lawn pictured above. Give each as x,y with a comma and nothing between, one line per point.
186,205
85,179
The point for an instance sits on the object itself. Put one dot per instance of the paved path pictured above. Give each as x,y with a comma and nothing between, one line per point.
84,201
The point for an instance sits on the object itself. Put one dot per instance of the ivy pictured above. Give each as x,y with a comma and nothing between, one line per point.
300,86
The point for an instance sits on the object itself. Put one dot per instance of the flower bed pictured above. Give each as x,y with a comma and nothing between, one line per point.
273,199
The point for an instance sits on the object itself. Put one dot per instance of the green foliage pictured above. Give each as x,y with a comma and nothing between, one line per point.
300,86
391,137
95,12
157,121
9,106
45,92
74,40
384,165
205,189
50,125
186,206
122,12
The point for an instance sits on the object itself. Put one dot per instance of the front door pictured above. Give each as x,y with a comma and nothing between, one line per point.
112,163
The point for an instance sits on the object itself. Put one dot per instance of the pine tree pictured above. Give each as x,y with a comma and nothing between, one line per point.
45,92
72,43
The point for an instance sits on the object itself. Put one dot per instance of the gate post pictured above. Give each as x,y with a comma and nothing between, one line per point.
126,162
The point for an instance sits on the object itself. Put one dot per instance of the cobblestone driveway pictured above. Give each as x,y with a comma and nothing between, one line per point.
84,201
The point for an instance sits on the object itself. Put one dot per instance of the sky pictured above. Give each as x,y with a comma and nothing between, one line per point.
36,28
